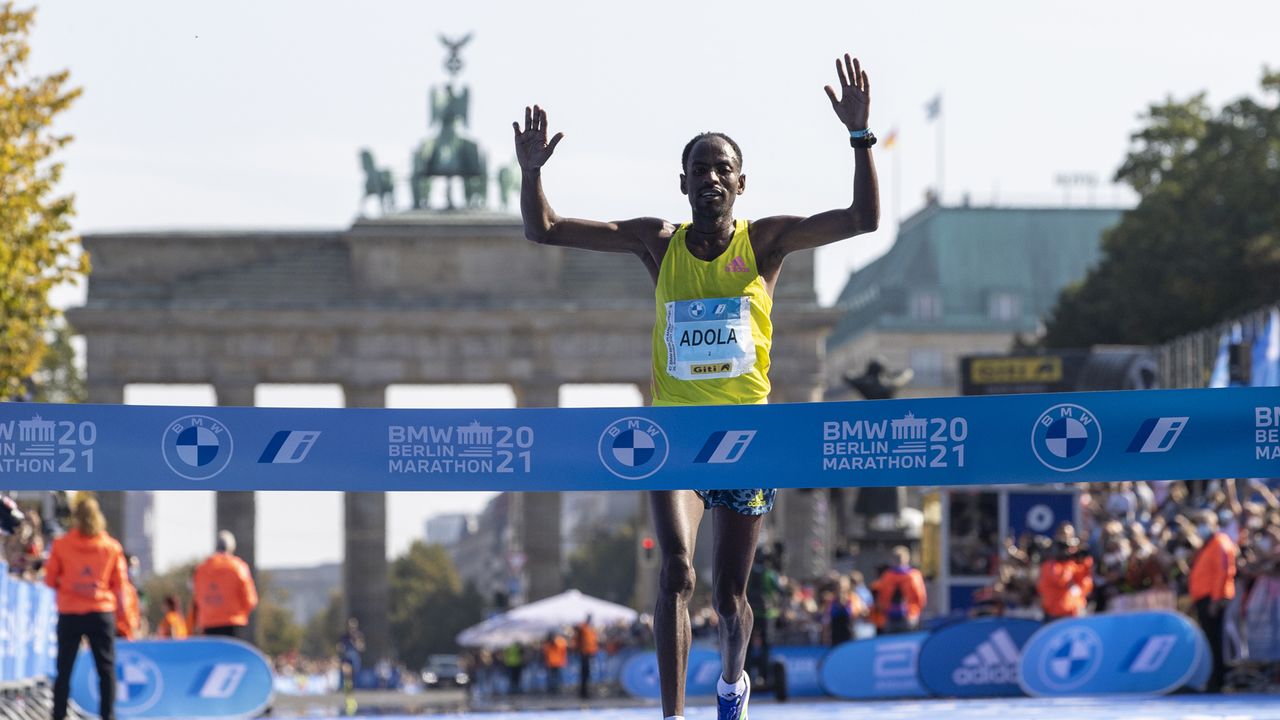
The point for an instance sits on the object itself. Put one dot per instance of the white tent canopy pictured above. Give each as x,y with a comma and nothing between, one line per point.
531,623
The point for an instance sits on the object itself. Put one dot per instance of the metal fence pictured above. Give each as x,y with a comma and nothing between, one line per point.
1187,362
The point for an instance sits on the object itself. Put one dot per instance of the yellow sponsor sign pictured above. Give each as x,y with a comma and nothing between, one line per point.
708,368
1010,371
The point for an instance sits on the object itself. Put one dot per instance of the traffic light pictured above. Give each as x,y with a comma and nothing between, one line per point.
647,546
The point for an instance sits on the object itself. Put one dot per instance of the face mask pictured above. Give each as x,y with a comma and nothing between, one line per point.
1255,523
1264,544
1204,531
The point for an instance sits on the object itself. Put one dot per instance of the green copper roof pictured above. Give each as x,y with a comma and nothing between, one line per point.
969,259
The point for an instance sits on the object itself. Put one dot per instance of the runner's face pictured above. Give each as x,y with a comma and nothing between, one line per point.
713,179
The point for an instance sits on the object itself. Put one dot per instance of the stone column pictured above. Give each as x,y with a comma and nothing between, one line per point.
237,511
112,502
365,580
536,515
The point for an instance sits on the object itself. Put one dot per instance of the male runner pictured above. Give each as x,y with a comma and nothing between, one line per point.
714,272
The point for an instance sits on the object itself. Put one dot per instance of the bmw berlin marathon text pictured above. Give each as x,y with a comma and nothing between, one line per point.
905,443
470,449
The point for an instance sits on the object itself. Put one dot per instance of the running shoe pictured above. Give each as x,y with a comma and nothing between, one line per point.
733,707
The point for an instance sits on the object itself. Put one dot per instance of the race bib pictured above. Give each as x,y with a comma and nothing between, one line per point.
709,338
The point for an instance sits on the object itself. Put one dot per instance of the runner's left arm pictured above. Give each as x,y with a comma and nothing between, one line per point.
786,234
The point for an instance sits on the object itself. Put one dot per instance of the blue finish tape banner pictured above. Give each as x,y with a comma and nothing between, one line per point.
886,667
976,659
199,677
1074,437
1128,653
639,676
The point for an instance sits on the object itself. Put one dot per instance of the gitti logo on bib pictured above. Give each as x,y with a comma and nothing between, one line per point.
708,368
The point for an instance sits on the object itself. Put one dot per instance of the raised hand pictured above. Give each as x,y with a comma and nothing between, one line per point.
532,148
854,103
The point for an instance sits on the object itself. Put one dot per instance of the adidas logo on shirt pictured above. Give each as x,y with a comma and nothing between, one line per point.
737,265
994,662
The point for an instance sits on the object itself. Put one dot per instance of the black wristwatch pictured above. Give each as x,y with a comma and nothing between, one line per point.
864,141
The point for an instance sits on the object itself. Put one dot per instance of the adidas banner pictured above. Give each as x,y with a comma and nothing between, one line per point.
197,677
1075,437
1137,652
975,659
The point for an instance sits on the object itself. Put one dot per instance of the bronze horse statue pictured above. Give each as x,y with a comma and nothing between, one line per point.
449,155
377,182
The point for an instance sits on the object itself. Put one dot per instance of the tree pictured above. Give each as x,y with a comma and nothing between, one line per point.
161,585
59,379
1203,243
277,632
429,606
320,636
605,565
37,249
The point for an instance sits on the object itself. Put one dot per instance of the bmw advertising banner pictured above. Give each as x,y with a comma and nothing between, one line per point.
198,677
976,659
640,673
1075,437
885,667
1139,652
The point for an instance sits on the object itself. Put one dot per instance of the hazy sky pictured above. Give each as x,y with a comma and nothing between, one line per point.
239,114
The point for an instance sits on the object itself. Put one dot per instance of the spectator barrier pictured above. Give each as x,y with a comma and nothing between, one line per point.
1123,653
28,627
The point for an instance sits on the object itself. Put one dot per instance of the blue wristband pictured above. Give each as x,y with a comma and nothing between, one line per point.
859,134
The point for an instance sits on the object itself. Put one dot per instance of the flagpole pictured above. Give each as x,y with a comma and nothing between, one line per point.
897,185
941,120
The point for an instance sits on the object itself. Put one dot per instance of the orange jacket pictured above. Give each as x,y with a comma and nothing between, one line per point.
224,592
172,626
585,642
555,653
1064,586
906,582
1213,574
87,572
128,615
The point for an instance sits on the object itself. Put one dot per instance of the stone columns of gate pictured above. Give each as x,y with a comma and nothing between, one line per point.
365,580
535,520
803,519
112,502
237,511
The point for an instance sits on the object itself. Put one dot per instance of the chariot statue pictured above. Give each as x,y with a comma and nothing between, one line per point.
450,154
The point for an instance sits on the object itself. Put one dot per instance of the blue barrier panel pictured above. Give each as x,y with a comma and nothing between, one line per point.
28,623
885,667
199,677
6,622
1129,653
9,624
1072,437
975,659
639,674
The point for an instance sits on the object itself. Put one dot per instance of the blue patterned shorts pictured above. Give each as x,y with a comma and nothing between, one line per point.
743,502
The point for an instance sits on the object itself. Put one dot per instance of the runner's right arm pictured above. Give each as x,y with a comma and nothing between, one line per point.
543,226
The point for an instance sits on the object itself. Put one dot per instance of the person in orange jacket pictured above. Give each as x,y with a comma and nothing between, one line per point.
900,595
225,594
1066,579
128,611
86,569
172,625
555,656
1212,585
587,645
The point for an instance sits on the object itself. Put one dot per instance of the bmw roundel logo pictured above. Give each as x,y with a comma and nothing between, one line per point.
197,447
139,684
697,310
1066,437
1071,658
633,448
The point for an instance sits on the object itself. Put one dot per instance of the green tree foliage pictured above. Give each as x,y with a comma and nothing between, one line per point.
429,606
605,565
277,632
59,379
1204,241
37,249
320,636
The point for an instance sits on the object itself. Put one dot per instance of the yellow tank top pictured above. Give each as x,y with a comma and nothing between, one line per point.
712,332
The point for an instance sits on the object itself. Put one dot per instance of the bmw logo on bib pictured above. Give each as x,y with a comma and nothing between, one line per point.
633,448
1066,437
197,447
